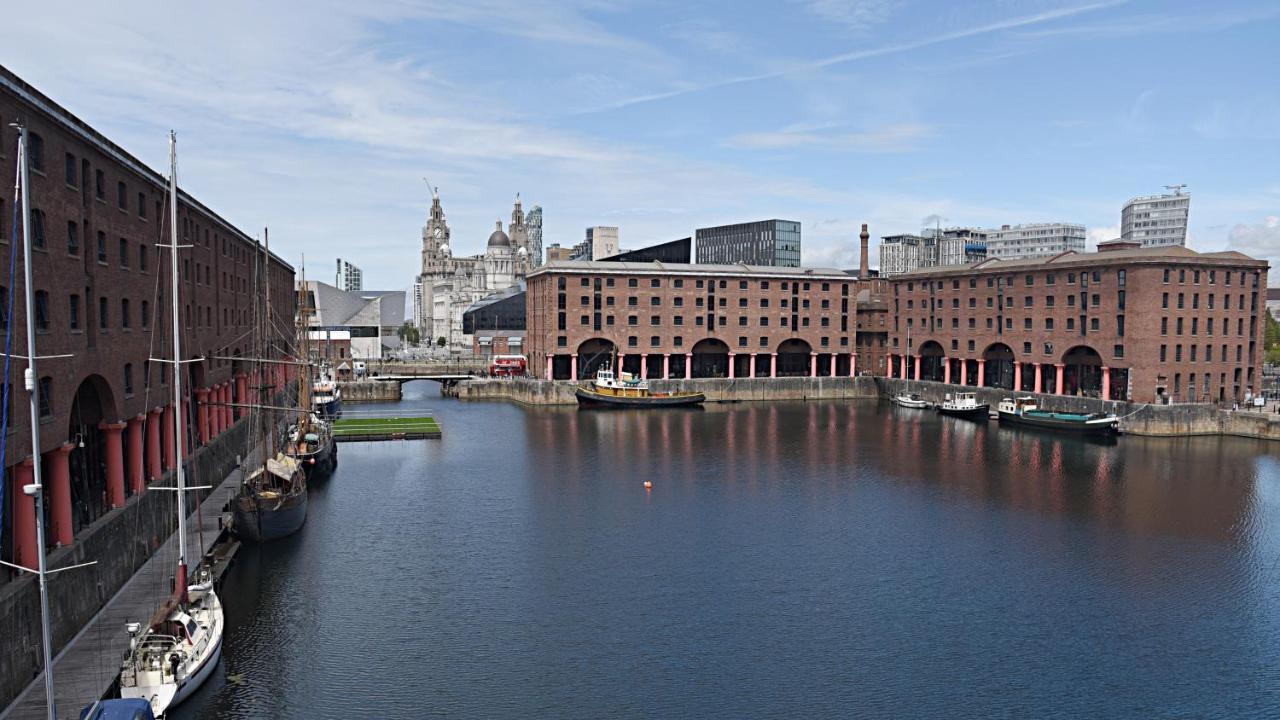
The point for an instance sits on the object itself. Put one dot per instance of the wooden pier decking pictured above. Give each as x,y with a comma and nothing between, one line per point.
88,666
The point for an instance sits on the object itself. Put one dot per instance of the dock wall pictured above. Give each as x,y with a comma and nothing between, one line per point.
120,542
546,392
366,391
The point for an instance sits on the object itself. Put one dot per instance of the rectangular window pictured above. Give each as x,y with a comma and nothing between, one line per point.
142,210
73,238
75,312
124,253
99,185
122,196
71,170
42,310
102,246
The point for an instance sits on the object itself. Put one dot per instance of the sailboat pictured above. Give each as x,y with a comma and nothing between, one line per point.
178,649
311,440
272,502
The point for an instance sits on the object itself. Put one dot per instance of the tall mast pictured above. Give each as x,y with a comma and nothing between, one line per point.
267,339
32,382
304,352
177,368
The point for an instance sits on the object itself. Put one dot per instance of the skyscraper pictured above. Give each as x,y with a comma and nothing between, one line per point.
533,224
1034,240
349,278
1157,220
766,242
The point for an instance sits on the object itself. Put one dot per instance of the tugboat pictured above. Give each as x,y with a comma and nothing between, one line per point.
629,390
913,401
964,405
326,397
1023,411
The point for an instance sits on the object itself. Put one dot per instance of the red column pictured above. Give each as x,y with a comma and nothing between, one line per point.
573,367
60,493
964,371
904,366
813,365
773,365
1039,380
549,373
242,385
731,364
1106,383
982,375
1017,377
833,364
202,415
25,545
134,473
113,442
853,363
946,370
666,365
154,467
917,367
644,365
688,365
170,442
1061,371
751,370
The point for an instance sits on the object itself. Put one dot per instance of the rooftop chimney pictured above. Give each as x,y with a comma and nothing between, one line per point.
864,270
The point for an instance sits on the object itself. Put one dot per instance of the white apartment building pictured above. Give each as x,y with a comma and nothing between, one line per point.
349,278
1157,220
1034,240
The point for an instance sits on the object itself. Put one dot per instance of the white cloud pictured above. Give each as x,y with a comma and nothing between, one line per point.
1259,240
1096,235
888,139
855,15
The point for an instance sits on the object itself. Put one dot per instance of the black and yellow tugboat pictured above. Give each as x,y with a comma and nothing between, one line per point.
628,390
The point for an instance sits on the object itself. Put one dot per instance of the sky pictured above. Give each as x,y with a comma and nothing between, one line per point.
322,119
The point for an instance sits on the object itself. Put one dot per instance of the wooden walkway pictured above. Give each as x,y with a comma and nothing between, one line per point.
87,667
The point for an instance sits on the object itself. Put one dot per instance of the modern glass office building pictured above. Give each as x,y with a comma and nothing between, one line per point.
767,242
1157,220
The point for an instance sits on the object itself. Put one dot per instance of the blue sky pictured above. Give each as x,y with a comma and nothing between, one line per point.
320,119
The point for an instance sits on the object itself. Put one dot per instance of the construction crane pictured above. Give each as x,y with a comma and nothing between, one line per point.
1177,189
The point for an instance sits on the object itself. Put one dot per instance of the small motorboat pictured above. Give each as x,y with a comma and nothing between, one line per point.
1024,411
628,390
964,405
913,401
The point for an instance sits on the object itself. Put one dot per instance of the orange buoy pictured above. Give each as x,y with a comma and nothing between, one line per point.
648,485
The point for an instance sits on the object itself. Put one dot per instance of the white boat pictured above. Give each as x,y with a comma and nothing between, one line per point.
913,401
178,649
964,404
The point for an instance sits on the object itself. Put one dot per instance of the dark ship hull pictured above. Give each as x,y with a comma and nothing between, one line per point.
320,463
258,519
591,398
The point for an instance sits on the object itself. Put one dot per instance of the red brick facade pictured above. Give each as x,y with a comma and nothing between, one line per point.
103,303
700,320
1145,325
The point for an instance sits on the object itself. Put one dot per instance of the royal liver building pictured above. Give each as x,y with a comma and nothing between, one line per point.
448,285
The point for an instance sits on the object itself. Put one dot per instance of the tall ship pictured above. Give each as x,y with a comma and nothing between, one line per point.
310,439
1024,411
272,501
628,390
177,650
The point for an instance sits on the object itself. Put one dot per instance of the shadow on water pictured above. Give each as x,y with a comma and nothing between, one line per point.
824,559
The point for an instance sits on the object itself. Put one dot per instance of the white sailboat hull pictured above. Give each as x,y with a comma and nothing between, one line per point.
165,691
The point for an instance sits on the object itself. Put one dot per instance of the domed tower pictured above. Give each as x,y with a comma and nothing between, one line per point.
435,235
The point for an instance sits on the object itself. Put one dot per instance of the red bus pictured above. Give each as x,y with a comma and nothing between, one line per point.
508,365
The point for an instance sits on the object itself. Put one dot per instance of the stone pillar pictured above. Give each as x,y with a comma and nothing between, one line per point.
550,362
666,365
833,364
917,358
853,363
1061,368
1017,377
170,442
1039,379
732,357
982,373
688,365
904,366
1106,383
946,370
25,543
751,371
964,371
60,493
155,469
202,415
135,474
773,365
242,386
813,364
573,367
113,454
644,365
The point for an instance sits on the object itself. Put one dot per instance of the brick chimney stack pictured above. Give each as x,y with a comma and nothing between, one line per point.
864,271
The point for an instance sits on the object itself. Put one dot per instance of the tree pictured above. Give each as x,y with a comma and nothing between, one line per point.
1271,340
409,333
441,341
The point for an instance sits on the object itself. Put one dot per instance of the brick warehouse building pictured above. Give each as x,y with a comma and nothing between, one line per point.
1125,323
680,320
103,301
